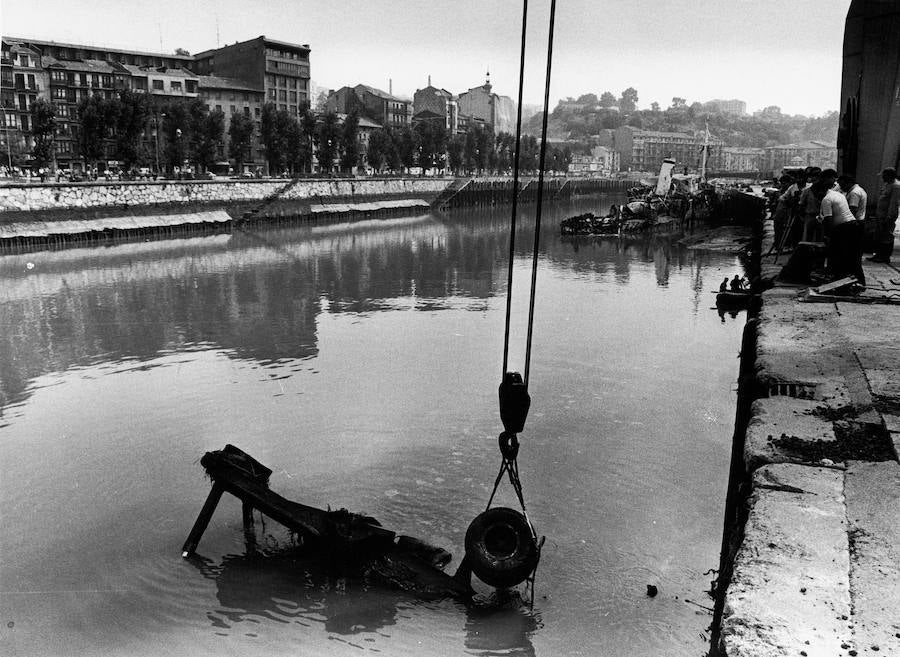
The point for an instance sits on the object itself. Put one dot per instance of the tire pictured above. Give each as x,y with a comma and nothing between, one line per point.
500,547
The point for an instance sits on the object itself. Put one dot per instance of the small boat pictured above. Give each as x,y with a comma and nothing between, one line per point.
734,299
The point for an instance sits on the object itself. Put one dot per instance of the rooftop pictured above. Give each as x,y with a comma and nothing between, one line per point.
81,46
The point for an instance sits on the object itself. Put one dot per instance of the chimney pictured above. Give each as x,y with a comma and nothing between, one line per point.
390,86
429,80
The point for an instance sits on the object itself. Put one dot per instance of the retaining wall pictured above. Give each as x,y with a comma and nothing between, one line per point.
55,196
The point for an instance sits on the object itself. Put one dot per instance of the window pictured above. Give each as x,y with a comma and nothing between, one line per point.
292,109
246,111
191,86
292,96
233,109
218,108
157,85
58,76
273,95
175,85
282,95
257,112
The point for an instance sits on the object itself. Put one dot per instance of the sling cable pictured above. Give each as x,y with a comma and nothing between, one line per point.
502,546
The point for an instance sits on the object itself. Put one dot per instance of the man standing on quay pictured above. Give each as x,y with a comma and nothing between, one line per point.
886,215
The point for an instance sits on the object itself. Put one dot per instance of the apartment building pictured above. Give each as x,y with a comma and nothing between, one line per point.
805,154
231,97
644,150
265,70
379,106
22,80
280,69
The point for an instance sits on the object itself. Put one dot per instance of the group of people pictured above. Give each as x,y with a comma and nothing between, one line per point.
821,206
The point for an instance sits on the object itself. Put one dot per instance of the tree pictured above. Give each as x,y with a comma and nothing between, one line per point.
628,100
607,100
293,141
327,141
131,121
378,150
308,135
455,152
182,51
272,137
43,124
404,146
349,142
654,106
205,132
431,139
93,112
175,132
240,139
588,99
678,103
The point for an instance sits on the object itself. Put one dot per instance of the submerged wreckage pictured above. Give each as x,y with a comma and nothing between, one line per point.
499,549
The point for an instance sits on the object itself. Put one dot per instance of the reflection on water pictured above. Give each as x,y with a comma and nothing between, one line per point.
360,362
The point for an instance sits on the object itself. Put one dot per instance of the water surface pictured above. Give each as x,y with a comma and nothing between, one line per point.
360,362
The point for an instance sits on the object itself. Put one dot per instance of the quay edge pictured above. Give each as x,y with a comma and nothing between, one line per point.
811,551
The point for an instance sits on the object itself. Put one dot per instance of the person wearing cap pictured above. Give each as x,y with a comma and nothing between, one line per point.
845,232
886,212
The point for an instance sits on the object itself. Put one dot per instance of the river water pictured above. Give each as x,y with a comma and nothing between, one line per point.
360,362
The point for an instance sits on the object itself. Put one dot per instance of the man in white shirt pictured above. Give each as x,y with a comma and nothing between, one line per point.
856,196
844,233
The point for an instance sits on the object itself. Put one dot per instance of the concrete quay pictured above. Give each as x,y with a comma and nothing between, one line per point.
817,569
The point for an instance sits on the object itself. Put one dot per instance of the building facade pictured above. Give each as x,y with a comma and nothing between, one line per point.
481,103
805,154
732,106
376,105
265,70
232,97
601,161
735,158
280,69
644,150
22,81
437,105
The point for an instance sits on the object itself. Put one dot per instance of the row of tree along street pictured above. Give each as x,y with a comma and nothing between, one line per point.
141,133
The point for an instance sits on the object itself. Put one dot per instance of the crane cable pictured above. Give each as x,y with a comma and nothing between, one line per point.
514,399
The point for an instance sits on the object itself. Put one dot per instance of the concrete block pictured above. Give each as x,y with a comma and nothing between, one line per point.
773,416
790,589
872,493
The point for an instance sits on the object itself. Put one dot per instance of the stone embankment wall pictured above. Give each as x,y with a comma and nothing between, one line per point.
53,196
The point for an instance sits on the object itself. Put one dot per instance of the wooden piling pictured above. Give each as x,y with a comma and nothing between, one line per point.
200,525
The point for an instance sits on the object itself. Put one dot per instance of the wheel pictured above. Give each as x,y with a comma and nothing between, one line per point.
500,547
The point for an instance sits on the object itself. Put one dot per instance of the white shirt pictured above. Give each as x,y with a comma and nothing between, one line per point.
835,207
857,197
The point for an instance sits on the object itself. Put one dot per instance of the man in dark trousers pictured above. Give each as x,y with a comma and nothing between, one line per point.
886,215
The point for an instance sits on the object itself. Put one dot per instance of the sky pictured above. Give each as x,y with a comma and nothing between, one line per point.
764,52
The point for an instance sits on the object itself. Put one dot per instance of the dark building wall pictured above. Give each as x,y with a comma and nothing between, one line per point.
245,61
871,81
